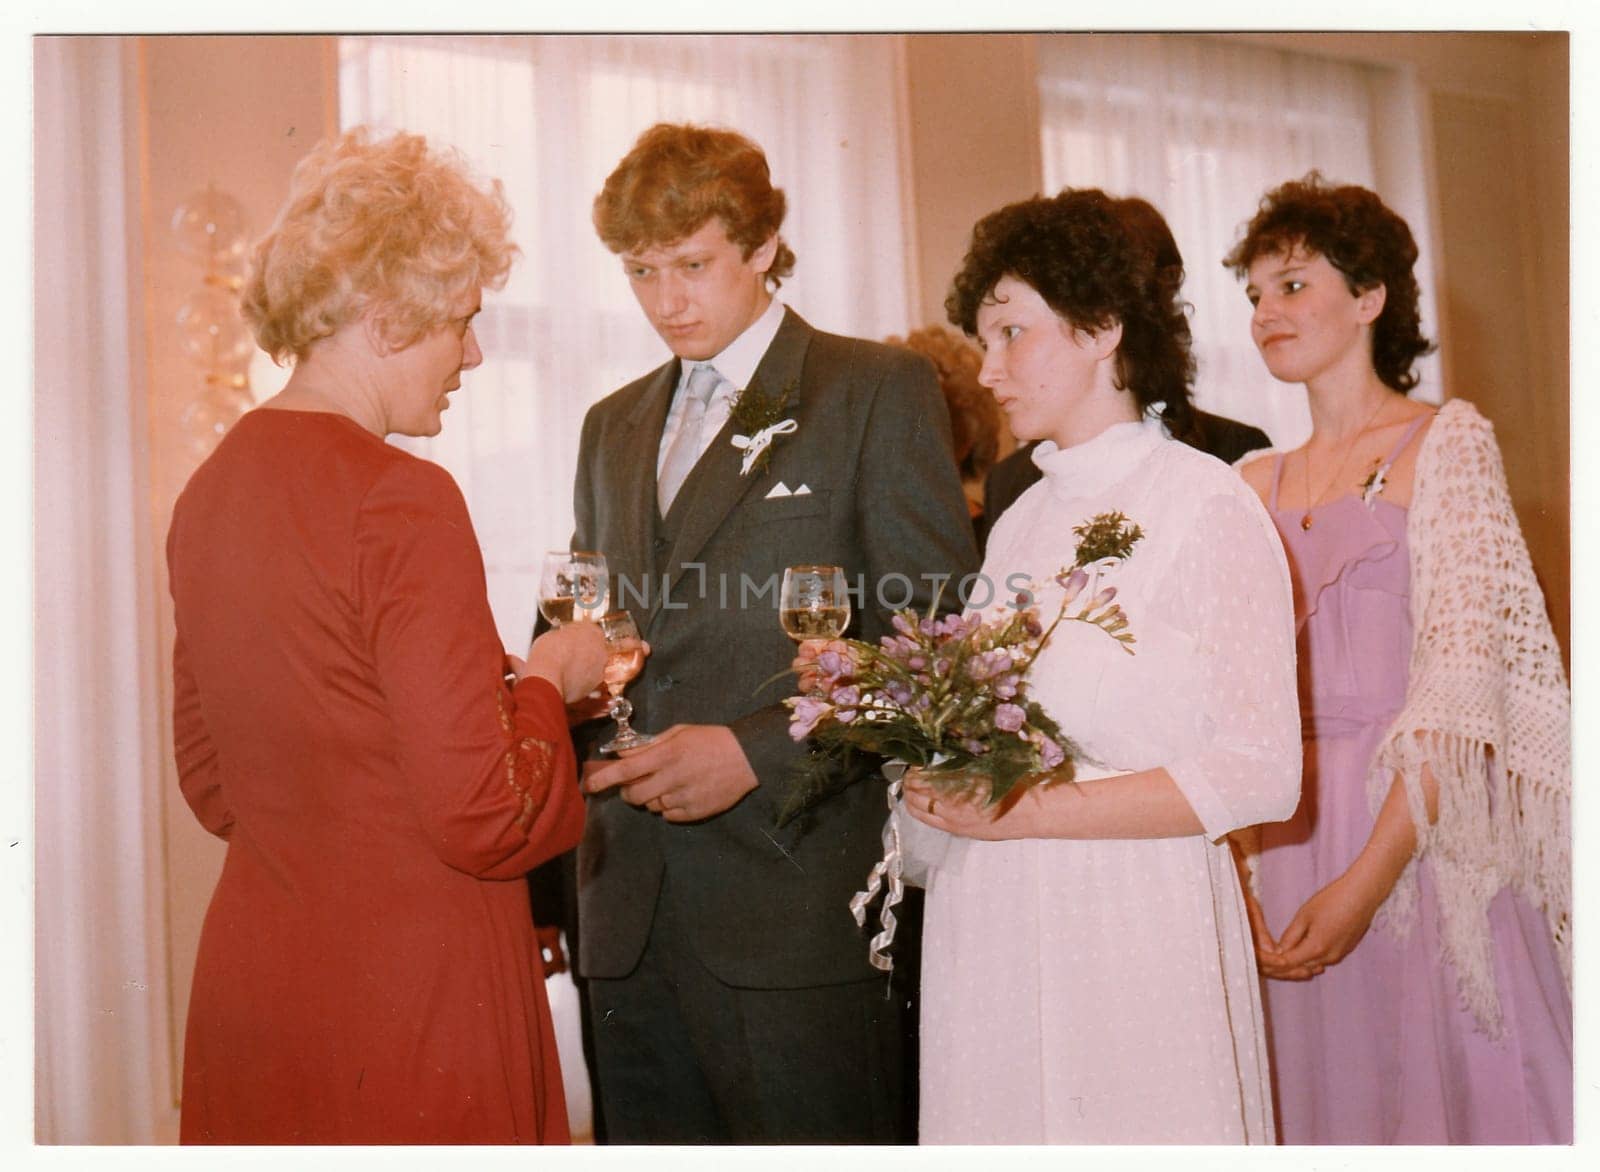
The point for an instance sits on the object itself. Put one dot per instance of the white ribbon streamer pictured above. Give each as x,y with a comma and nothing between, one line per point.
753,445
890,870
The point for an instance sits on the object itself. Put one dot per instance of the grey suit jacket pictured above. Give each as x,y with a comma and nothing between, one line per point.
763,907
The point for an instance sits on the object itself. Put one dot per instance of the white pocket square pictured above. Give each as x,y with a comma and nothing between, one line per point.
780,490
803,490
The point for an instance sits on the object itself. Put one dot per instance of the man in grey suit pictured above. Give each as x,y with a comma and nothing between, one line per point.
730,995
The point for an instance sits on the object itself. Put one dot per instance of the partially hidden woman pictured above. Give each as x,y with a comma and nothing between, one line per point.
1088,975
367,970
1437,723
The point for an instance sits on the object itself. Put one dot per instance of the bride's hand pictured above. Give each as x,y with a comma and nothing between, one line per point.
965,810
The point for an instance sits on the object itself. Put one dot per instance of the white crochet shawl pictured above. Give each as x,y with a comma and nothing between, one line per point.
1487,709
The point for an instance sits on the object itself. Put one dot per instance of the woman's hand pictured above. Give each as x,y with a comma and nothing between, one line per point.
1260,934
572,657
963,808
1326,929
1269,957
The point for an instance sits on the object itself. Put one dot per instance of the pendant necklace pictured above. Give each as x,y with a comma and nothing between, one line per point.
1311,503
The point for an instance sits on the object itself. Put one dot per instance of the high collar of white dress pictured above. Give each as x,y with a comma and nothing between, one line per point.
1102,461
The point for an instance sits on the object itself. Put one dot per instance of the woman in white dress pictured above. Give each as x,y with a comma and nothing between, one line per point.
1088,973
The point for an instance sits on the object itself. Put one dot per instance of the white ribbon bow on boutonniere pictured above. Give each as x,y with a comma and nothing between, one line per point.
760,420
755,446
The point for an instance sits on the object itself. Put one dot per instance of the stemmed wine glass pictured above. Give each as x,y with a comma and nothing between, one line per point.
624,659
813,603
573,585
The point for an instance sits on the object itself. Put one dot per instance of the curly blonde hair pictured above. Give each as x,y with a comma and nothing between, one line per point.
390,225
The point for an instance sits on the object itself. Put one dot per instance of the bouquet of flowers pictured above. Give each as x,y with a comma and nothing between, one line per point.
950,694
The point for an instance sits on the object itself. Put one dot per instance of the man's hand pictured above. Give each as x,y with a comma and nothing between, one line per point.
689,772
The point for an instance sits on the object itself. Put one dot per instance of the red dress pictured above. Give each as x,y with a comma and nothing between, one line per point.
368,971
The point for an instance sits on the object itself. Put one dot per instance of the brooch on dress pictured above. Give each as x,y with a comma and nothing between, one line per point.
1374,484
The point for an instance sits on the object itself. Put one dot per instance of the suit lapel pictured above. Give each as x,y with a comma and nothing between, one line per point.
715,486
638,443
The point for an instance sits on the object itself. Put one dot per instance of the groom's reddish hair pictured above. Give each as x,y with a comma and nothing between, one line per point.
679,176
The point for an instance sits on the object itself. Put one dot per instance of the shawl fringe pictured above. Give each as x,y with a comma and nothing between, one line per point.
1487,712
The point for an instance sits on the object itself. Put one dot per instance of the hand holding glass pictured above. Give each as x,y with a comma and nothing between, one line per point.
624,659
813,603
573,585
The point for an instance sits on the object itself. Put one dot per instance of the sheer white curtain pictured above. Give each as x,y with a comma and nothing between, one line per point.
101,1070
550,117
1202,127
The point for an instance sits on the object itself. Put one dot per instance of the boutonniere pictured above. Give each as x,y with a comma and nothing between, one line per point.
760,420
1374,484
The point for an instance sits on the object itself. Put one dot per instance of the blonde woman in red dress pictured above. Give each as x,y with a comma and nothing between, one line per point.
368,971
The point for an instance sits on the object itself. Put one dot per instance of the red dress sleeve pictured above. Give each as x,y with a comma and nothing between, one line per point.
490,771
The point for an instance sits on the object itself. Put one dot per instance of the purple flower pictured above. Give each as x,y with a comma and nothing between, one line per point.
898,691
846,697
1033,626
900,624
917,662
808,713
1009,717
898,646
835,665
1006,686
1104,596
989,664
1050,752
974,746
1072,583
845,715
924,702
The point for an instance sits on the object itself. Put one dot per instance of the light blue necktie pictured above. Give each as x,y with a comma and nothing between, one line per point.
687,444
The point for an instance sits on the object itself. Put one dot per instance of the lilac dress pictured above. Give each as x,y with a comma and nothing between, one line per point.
1379,1048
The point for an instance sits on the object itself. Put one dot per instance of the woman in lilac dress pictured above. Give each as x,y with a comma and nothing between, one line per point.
1436,723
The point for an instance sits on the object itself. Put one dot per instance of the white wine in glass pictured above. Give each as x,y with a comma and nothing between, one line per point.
573,585
813,603
624,660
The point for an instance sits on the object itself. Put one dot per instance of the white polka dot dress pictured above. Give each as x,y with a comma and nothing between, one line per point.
1106,991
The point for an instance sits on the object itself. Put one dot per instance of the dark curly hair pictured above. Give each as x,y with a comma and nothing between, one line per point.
1362,238
677,177
1078,251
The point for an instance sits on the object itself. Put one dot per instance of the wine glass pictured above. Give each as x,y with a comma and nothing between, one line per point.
624,658
573,585
813,603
